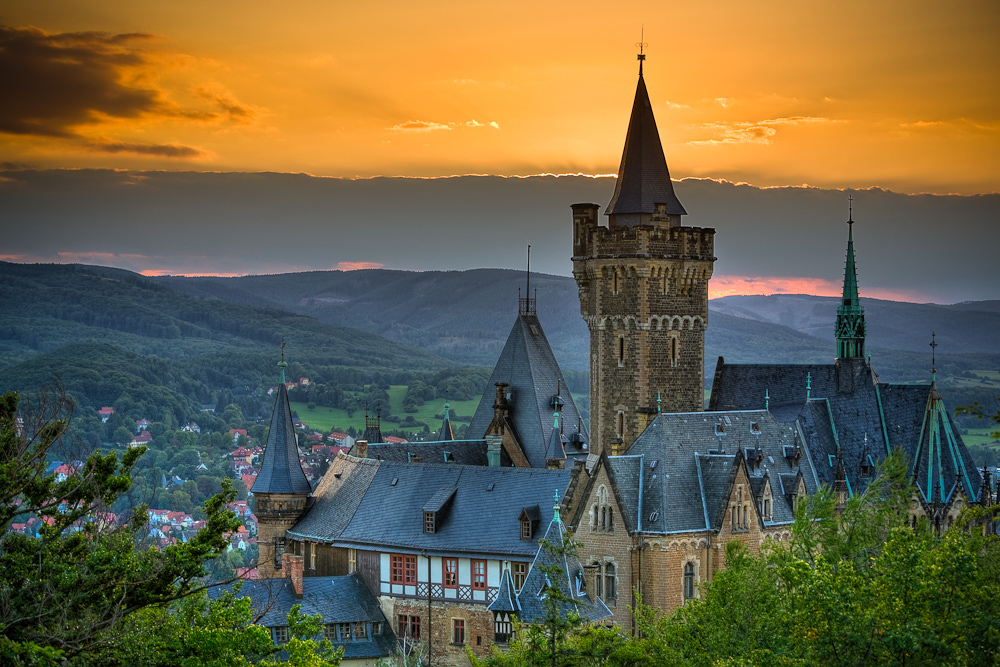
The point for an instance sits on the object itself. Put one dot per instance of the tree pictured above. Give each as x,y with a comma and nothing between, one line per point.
122,436
61,592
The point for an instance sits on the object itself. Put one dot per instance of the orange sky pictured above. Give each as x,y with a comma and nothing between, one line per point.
902,95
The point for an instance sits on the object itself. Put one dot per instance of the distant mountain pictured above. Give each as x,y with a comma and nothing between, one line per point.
961,328
466,315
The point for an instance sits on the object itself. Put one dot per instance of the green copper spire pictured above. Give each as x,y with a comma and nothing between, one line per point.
556,516
850,328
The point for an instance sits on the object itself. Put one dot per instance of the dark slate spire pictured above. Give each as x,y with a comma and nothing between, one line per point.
850,328
644,185
281,471
447,433
373,427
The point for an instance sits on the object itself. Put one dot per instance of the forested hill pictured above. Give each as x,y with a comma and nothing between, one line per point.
466,316
46,307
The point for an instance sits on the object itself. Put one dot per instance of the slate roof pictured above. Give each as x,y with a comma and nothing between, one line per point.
467,452
854,413
343,599
528,366
280,471
379,505
675,475
506,599
531,600
643,177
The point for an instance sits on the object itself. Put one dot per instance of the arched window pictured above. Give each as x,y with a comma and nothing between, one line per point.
689,581
609,581
614,282
593,517
621,350
675,352
598,584
611,519
604,517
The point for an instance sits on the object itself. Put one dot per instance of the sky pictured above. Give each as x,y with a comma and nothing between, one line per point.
897,95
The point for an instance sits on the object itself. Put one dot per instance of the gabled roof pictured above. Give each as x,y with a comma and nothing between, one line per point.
369,504
343,599
531,599
643,177
468,452
675,475
532,374
849,410
280,471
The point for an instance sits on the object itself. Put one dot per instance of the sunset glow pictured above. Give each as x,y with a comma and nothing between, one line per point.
898,94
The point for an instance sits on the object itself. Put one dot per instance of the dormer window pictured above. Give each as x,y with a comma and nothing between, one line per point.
430,519
529,518
755,428
720,429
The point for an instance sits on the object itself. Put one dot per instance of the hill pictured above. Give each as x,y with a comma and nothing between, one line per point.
466,315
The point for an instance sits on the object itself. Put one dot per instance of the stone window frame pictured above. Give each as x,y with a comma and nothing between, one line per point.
695,564
620,423
610,580
602,518
674,347
614,281
621,350
739,520
458,631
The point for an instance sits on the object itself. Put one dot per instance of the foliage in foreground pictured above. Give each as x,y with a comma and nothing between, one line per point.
87,590
859,588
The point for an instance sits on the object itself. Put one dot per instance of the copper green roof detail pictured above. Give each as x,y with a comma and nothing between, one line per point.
850,327
643,177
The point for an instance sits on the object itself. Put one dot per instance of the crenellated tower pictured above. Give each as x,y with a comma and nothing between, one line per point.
643,282
281,489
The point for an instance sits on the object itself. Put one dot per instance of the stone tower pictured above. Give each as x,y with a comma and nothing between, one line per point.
643,283
281,488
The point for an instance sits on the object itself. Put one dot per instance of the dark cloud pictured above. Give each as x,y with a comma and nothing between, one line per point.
160,150
940,246
52,84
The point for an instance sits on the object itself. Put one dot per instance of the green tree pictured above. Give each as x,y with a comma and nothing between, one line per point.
61,592
122,436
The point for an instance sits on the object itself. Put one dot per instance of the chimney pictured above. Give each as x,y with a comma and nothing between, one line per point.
293,566
493,445
590,573
500,405
361,449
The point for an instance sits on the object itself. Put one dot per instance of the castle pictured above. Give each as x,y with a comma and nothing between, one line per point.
656,488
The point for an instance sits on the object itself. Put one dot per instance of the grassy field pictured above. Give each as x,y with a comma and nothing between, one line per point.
325,419
988,379
979,436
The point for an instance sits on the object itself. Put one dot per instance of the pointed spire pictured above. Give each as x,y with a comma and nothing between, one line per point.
555,516
644,187
281,471
850,327
447,432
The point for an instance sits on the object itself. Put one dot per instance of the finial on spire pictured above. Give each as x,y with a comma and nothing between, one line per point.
809,384
526,306
282,364
555,517
850,209
933,358
641,44
767,399
658,401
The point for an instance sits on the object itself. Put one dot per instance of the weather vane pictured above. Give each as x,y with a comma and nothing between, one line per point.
850,209
641,44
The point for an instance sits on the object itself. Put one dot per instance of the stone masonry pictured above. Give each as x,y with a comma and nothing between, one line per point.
644,296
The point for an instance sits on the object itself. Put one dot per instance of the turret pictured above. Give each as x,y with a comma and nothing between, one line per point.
850,327
643,283
281,488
